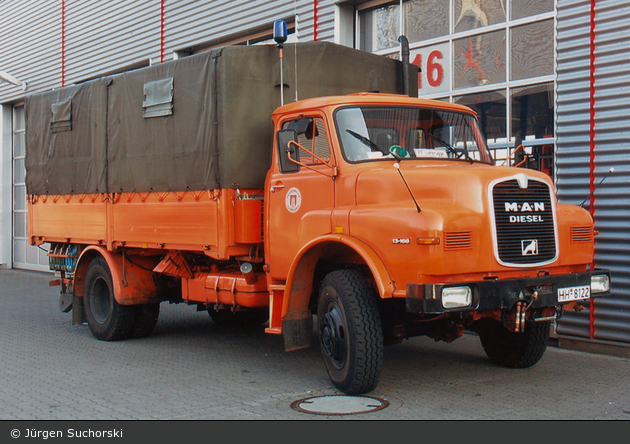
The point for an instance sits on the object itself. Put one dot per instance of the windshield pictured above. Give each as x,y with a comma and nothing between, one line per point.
369,133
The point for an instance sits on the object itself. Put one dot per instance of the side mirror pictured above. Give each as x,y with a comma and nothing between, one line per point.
288,151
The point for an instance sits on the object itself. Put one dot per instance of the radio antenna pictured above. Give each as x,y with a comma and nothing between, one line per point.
297,38
610,171
415,202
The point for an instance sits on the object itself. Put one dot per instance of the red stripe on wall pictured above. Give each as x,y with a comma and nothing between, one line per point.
162,2
315,14
592,143
63,43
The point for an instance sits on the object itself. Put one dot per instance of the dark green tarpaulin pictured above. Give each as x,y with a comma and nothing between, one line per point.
200,122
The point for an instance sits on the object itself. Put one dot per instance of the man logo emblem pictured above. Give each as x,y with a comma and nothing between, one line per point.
529,247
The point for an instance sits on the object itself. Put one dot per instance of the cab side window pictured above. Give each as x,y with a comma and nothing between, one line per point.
311,134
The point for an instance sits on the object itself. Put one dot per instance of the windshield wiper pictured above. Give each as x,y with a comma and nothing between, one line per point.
374,146
452,149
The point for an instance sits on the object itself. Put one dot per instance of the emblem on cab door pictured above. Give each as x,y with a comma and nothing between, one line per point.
293,200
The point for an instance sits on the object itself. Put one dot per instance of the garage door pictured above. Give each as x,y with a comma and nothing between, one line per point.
25,256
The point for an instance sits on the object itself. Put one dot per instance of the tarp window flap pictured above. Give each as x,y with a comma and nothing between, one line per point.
61,118
158,98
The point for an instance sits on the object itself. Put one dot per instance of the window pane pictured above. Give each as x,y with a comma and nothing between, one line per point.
490,106
380,28
19,197
426,19
19,250
18,171
19,225
18,144
532,50
18,118
32,254
532,111
314,140
532,126
476,14
320,144
479,60
527,8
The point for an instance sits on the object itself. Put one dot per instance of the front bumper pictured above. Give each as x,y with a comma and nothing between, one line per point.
500,294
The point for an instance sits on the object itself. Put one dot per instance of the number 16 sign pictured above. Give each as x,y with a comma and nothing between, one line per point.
435,66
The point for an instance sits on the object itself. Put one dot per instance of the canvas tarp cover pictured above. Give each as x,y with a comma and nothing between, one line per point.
67,156
212,130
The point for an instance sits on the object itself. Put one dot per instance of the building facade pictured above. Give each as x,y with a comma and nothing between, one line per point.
549,79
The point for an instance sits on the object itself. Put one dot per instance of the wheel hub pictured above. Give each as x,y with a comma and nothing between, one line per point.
333,335
101,304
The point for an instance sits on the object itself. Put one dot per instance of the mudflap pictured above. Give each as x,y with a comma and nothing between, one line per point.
69,302
78,315
297,333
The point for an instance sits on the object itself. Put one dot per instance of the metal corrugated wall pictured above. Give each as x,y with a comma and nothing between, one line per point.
593,136
195,23
103,37
30,47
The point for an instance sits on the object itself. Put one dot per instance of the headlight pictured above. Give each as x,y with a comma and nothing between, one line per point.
600,283
453,297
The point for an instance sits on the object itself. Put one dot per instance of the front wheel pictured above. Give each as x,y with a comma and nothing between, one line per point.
350,332
108,320
514,350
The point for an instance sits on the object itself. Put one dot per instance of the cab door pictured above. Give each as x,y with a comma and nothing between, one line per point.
300,194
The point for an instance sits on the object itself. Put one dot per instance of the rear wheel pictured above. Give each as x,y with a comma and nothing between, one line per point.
514,350
350,332
107,319
145,320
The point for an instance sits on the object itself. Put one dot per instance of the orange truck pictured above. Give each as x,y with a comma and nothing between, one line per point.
359,218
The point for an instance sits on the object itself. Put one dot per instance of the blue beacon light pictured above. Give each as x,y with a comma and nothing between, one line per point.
280,36
280,32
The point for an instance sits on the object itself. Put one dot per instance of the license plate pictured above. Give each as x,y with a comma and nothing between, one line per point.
574,293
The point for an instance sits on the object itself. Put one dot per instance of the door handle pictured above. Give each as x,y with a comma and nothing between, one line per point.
276,186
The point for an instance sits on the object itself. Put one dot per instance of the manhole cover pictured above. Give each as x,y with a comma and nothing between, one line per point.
339,404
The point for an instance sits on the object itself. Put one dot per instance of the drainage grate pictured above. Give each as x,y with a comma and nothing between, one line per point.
339,405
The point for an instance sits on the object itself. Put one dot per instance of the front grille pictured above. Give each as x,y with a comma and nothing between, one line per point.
524,223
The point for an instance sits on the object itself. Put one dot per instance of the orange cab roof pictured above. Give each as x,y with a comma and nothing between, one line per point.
366,98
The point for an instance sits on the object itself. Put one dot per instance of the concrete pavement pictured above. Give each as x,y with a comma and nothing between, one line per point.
190,369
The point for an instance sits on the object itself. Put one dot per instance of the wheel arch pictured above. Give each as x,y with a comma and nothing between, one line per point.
338,251
132,284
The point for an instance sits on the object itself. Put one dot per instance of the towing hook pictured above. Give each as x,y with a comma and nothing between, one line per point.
520,311
559,312
533,298
519,317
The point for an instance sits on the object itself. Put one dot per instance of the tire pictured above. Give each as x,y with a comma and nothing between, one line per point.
514,350
350,332
145,320
107,319
252,317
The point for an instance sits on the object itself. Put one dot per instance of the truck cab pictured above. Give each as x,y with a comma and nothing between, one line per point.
387,217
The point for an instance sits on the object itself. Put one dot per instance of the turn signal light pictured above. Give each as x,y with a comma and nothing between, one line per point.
428,241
